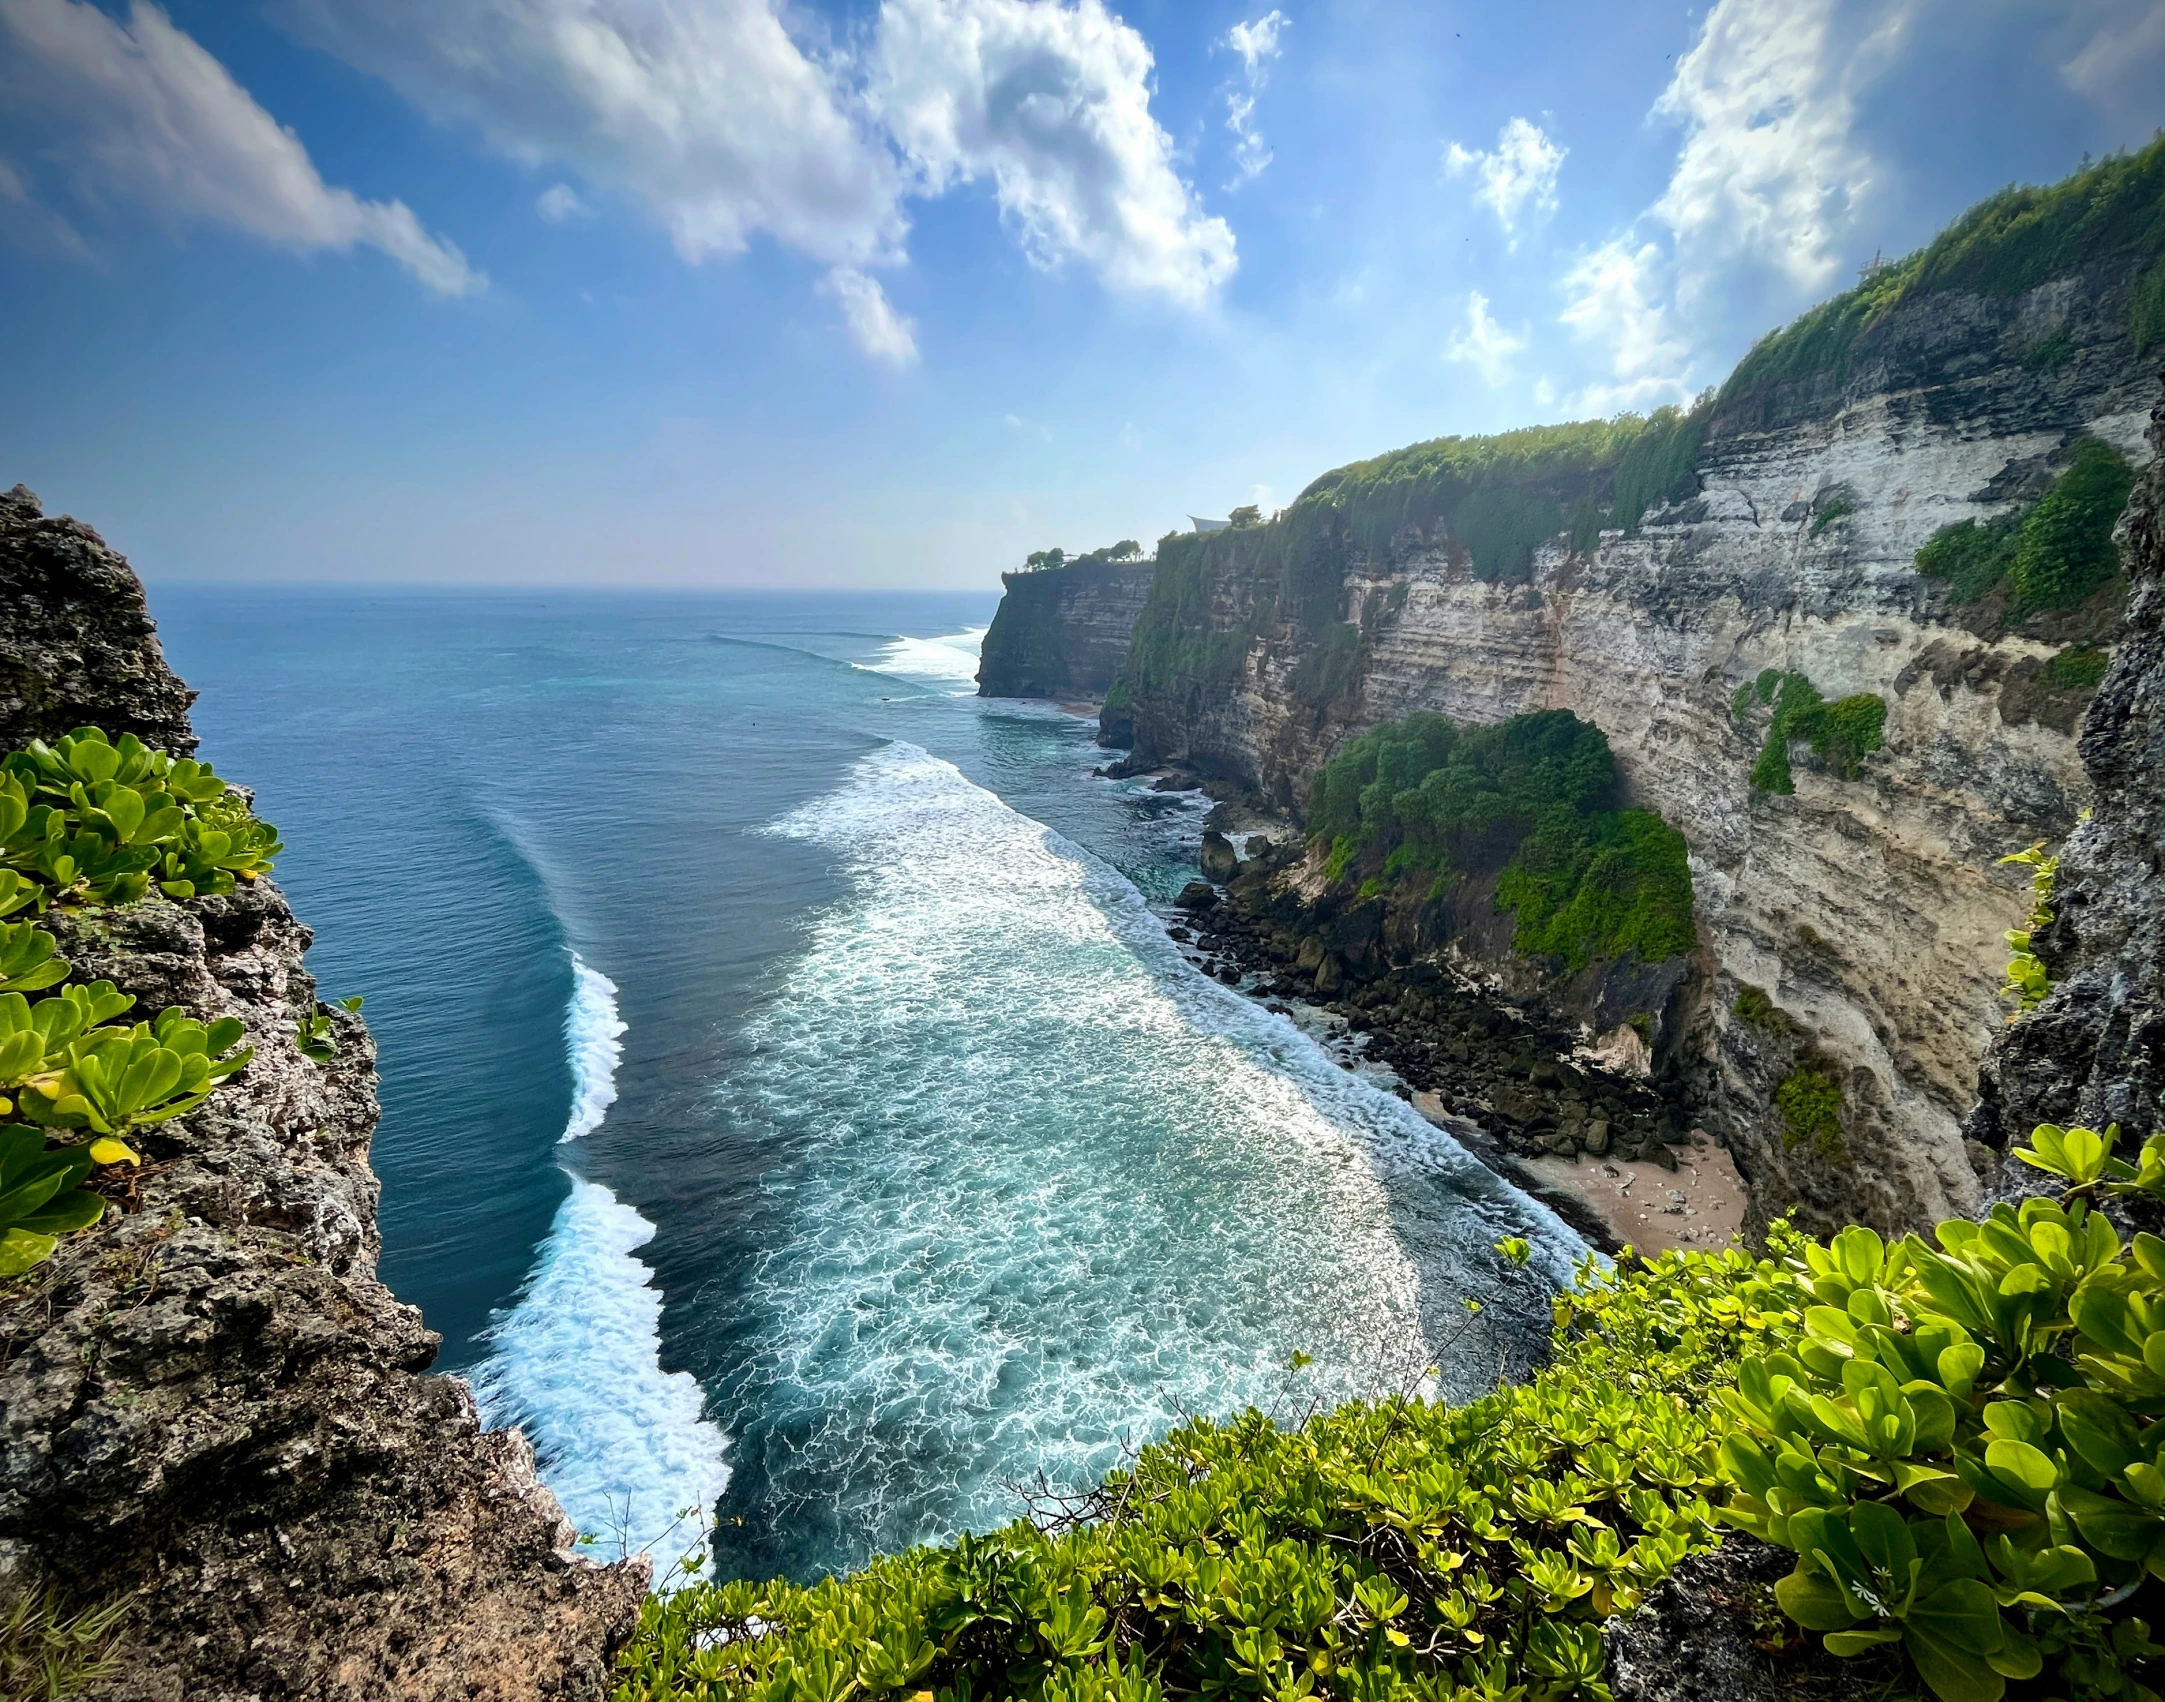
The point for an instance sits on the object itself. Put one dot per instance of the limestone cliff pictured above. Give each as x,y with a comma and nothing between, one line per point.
1063,631
1865,903
2094,1051
209,1405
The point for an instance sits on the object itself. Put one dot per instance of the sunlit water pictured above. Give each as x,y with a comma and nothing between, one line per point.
795,1110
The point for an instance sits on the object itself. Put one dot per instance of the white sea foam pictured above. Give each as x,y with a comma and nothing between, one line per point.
950,661
594,1036
1050,1185
626,1446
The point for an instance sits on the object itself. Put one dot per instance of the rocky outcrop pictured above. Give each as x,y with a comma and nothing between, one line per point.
209,1405
1850,930
77,647
2094,1051
1063,631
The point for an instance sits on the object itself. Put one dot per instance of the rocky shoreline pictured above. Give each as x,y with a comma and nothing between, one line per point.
1611,1151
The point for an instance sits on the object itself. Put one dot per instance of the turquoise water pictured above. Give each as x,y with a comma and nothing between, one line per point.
793,1106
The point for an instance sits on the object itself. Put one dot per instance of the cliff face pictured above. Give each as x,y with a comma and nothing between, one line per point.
208,1403
1867,908
2094,1052
1063,631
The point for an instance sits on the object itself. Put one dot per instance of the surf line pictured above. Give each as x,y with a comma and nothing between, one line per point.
575,1361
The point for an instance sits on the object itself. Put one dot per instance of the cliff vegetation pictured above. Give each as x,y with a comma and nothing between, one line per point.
1533,800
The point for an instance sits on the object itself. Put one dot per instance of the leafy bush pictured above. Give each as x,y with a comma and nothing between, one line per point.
39,1197
2077,668
1810,1101
1963,1446
2066,549
115,1079
1839,509
1842,733
1532,798
1972,556
1659,464
1388,1550
2028,981
1755,1009
2051,555
2146,308
92,822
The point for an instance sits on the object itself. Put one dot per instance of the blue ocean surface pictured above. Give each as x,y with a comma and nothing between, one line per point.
796,1116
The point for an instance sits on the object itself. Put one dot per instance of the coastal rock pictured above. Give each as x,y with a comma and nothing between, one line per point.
1867,909
1063,631
1220,861
2094,1052
209,1404
77,647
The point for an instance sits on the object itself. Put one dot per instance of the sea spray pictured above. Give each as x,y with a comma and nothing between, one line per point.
593,1034
951,661
1042,1188
624,1445
576,1361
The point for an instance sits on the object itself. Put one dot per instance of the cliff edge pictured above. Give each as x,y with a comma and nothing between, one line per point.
210,1408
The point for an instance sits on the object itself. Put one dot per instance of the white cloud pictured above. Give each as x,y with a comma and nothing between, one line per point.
1771,170
1483,344
1618,298
2122,66
150,115
559,204
1256,41
1769,178
710,114
1052,104
1520,173
877,328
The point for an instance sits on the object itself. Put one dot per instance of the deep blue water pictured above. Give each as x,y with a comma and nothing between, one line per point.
793,1106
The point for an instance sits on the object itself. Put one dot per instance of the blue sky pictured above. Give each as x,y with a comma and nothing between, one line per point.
737,292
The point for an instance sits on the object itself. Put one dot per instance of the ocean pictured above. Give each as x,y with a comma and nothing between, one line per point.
796,1116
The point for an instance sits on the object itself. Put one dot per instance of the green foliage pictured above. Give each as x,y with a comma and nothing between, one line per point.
39,1197
1586,887
2053,554
1127,549
2066,549
1963,1447
2077,668
2049,352
1037,561
1389,1550
1533,798
2146,308
1658,465
1332,666
2027,978
91,822
1839,509
1246,515
1972,556
1810,1101
2110,216
1842,733
313,1035
116,1079
1755,1009
50,1650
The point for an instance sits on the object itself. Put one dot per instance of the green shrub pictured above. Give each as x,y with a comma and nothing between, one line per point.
1963,1447
1839,509
2051,555
1659,465
1755,1009
1972,556
1810,1101
2066,549
93,822
1533,798
40,1199
2028,981
1841,734
2146,309
1390,1550
2077,668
